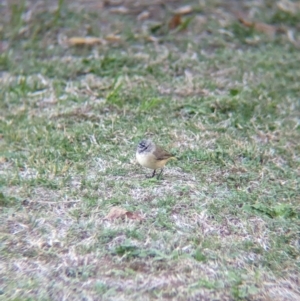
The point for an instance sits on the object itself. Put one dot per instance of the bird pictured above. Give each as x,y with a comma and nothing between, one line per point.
152,156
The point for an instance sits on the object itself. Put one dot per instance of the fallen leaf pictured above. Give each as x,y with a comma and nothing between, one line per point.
265,28
119,10
175,22
289,6
152,39
183,10
143,15
113,38
269,30
134,215
118,212
77,41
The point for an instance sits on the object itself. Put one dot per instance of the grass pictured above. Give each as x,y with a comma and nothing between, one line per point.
223,223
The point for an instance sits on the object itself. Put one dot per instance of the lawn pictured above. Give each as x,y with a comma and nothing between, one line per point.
215,82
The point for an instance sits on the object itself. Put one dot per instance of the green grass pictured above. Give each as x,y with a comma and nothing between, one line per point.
224,220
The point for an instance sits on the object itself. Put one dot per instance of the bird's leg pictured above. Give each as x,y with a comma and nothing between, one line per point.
158,177
153,174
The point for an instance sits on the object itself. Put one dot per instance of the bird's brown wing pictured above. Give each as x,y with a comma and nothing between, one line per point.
161,154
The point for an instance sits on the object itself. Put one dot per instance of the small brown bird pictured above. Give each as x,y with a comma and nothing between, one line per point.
152,156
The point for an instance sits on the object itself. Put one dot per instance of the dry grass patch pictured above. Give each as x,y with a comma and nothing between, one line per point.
222,224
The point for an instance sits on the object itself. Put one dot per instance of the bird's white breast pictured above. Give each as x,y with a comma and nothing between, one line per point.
146,160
